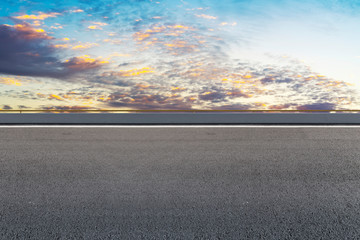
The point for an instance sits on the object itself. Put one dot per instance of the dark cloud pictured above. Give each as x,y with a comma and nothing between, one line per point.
151,105
285,80
212,96
124,64
234,107
237,93
147,101
26,52
23,107
267,80
6,107
82,63
175,63
260,86
317,106
66,108
281,106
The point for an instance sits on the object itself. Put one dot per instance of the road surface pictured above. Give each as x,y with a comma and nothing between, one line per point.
179,183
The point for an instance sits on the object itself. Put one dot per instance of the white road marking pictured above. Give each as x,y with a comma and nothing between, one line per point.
179,126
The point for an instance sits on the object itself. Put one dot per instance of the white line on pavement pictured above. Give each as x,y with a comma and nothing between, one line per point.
179,126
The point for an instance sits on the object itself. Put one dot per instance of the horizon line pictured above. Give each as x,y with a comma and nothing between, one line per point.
174,110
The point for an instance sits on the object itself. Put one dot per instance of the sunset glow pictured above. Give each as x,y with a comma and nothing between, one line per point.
176,54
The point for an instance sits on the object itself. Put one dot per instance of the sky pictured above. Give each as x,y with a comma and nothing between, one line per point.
180,54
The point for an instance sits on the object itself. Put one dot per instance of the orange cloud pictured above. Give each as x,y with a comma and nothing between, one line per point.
169,30
10,81
157,36
180,44
40,16
40,95
76,47
36,23
177,89
247,76
30,32
85,46
57,27
134,72
76,11
84,62
143,86
53,96
99,23
62,46
179,26
226,23
113,41
139,36
205,16
94,27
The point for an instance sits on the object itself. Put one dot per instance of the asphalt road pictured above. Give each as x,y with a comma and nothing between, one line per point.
179,183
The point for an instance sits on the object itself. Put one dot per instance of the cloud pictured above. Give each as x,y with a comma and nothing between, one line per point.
281,106
81,46
84,46
206,16
146,101
94,27
228,86
23,107
236,106
84,63
132,72
176,60
26,51
6,107
212,96
99,23
28,32
176,39
317,106
65,107
10,81
76,11
56,97
39,16
238,93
